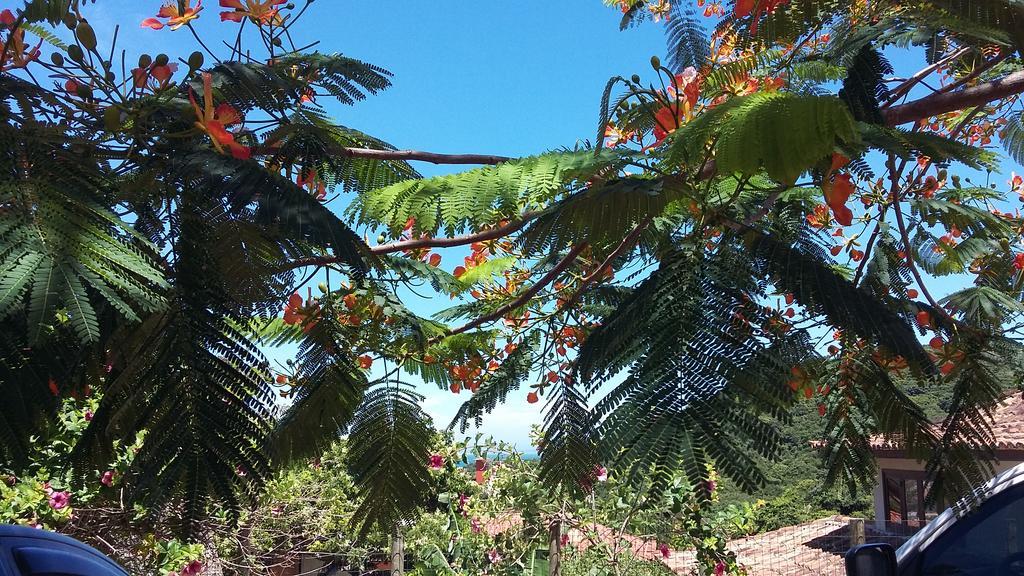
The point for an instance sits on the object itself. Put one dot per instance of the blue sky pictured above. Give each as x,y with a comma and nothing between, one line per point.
509,78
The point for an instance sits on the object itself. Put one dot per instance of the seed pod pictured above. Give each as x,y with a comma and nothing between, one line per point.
145,60
161,60
322,287
57,58
112,119
86,36
195,60
75,53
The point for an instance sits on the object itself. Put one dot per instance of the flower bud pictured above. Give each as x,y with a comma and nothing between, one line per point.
635,78
145,60
86,36
75,53
57,58
655,62
196,60
161,60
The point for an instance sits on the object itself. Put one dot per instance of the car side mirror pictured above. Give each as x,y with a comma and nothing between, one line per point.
871,560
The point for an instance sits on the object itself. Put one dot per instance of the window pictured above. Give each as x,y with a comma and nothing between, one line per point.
987,541
906,495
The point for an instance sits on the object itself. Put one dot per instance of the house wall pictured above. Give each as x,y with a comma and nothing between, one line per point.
912,465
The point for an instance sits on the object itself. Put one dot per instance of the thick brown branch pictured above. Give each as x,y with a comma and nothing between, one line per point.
936,104
626,244
902,90
432,157
925,107
417,243
527,294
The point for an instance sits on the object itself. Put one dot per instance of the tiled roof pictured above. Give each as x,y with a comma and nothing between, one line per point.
1007,427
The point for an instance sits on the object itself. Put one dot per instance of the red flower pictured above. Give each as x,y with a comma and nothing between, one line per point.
175,18
161,76
15,51
107,479
912,293
665,551
836,196
292,314
365,362
59,500
435,260
214,121
192,569
53,387
820,217
532,398
436,461
310,181
1018,262
259,11
7,18
924,319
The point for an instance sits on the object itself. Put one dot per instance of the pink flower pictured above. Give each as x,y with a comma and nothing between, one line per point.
107,479
719,568
59,500
47,488
436,461
663,548
193,569
475,525
601,473
494,556
463,500
88,415
711,485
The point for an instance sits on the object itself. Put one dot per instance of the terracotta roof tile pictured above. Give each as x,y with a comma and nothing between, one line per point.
1007,427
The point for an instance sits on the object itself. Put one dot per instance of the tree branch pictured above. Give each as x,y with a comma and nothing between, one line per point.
626,244
432,157
417,243
527,295
936,104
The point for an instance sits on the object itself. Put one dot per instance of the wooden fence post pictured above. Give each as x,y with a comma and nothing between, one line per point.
857,534
555,549
397,554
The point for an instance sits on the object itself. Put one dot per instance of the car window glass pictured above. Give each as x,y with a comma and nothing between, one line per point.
988,541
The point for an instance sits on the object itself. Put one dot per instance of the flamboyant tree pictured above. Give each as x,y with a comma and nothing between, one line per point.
758,221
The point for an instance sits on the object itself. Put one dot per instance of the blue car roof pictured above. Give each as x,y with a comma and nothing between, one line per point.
14,538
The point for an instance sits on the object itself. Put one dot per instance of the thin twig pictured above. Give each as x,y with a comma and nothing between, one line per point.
527,295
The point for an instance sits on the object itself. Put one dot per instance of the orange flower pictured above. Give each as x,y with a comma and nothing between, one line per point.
309,180
820,217
836,194
213,121
292,310
616,136
259,11
175,18
15,52
160,76
365,362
